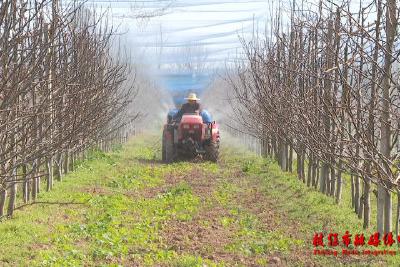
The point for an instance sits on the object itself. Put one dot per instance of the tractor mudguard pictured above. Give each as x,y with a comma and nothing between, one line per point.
215,131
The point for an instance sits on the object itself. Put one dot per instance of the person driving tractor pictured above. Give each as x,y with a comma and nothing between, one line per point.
192,106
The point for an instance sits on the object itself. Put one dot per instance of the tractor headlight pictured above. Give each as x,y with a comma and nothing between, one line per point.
196,126
186,126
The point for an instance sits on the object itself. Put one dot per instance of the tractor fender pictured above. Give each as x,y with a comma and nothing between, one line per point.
215,131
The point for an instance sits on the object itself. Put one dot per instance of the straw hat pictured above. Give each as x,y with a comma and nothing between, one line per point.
192,96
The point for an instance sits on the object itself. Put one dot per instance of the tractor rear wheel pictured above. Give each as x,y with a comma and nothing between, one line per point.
163,157
212,151
168,149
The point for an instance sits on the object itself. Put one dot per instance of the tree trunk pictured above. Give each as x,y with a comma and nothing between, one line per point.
25,187
59,166
316,172
66,162
275,149
34,189
49,173
338,187
283,155
332,182
398,215
388,212
3,197
35,185
356,193
380,209
361,204
324,177
290,167
367,203
309,170
72,161
13,194
353,202
302,170
39,177
391,29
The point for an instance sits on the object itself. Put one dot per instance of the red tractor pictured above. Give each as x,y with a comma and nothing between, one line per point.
194,135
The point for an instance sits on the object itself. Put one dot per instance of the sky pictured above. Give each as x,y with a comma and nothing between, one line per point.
168,38
176,34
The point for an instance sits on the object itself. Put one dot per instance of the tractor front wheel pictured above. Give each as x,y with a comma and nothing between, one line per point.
212,151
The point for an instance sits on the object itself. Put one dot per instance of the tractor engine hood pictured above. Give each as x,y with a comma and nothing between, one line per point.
191,119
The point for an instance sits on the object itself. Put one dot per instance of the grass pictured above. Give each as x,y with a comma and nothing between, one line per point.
112,228
121,203
29,228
